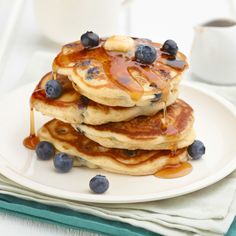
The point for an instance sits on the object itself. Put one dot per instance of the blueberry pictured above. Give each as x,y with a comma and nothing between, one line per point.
157,97
85,63
89,39
130,153
79,130
83,102
170,46
196,150
53,89
93,70
99,184
145,54
153,85
92,73
63,162
45,150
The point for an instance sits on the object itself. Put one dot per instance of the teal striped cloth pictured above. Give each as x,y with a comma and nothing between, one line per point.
68,218
174,216
74,219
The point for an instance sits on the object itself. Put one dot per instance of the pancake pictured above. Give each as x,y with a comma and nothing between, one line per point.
148,133
74,108
89,153
114,78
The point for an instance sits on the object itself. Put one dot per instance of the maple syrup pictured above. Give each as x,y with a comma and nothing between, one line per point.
32,140
177,64
54,75
175,171
118,67
164,124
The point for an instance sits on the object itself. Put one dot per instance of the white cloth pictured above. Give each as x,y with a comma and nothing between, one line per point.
209,211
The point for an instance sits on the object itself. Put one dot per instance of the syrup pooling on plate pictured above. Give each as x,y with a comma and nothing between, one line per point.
118,67
175,171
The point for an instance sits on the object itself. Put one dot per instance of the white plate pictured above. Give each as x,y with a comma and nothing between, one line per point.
215,125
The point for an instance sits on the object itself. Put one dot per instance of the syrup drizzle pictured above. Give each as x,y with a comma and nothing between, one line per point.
117,67
54,75
175,171
32,140
164,124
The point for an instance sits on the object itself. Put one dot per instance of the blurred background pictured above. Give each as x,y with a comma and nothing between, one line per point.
44,25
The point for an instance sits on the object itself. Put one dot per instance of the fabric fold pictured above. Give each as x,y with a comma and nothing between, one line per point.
209,211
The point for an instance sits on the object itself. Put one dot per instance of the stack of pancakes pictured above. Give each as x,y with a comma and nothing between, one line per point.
115,113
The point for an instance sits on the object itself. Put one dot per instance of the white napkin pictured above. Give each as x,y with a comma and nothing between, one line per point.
209,211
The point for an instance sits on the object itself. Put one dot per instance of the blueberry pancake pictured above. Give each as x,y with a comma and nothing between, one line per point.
121,71
89,153
148,133
115,107
74,108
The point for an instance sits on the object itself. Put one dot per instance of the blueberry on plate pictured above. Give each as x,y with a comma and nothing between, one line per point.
45,150
170,46
196,150
63,162
99,184
89,39
145,54
53,89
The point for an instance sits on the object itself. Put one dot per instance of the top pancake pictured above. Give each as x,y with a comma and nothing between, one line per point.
115,78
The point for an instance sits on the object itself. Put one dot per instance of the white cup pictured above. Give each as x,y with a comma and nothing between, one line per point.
213,54
64,21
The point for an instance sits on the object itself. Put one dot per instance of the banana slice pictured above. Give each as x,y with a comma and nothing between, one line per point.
119,43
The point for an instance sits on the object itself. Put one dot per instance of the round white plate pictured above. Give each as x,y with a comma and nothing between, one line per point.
215,124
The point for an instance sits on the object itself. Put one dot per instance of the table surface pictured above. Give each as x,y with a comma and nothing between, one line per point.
26,39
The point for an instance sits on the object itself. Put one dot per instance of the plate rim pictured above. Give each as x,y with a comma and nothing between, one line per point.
200,184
